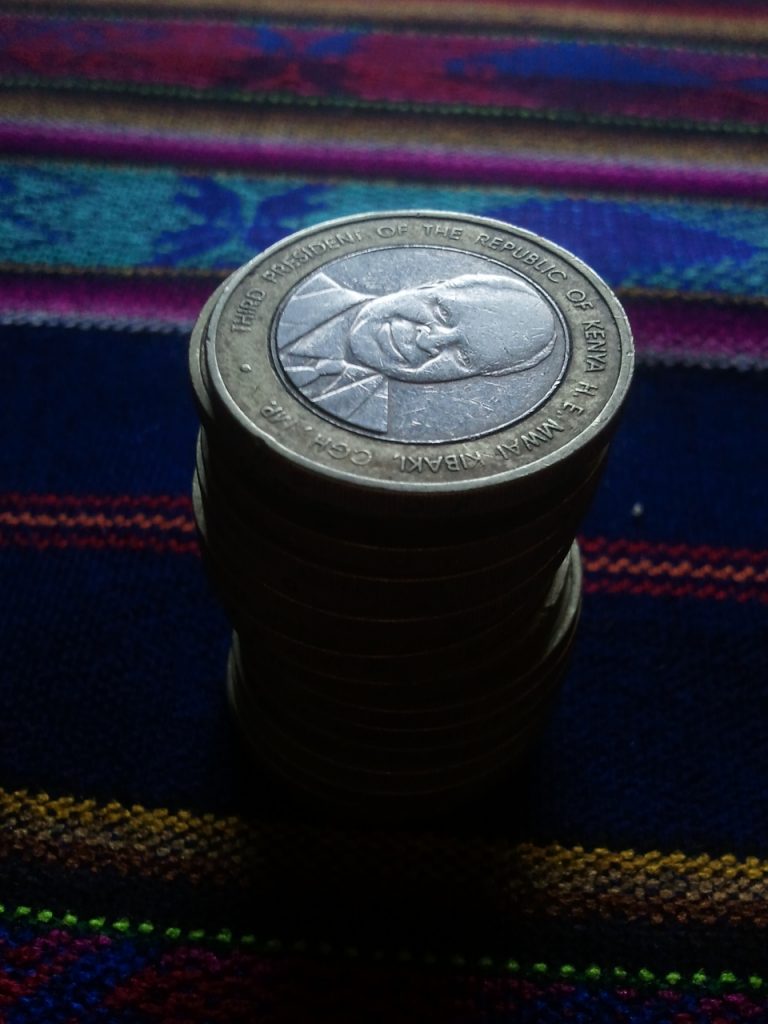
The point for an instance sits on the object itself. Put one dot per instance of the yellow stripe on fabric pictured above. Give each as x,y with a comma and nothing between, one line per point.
360,128
571,882
91,816
562,18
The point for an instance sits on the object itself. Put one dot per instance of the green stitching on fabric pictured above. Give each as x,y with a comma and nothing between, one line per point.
390,106
540,970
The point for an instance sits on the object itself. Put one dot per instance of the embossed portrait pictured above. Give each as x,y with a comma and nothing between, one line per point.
447,357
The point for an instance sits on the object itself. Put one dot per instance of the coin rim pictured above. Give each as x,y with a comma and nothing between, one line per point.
571,448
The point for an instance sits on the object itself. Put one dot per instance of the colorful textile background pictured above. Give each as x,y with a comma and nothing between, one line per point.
148,872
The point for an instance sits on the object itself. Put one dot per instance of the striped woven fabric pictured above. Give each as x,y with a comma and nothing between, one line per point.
148,871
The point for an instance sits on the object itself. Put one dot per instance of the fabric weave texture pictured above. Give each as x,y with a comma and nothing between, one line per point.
148,870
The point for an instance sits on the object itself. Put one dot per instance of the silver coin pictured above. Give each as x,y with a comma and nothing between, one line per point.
404,549
404,750
369,801
254,559
393,775
199,384
261,604
431,684
445,694
514,634
484,718
353,597
419,353
254,602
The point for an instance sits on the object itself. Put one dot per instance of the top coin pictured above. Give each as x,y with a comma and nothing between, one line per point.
419,351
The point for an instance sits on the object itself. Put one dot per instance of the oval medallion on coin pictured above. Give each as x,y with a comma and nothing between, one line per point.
419,343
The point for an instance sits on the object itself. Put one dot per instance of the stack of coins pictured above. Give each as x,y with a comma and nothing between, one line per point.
404,417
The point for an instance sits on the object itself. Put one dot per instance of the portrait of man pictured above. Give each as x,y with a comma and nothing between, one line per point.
346,350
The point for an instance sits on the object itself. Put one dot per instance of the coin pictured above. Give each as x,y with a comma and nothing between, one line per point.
350,350
364,635
280,612
390,775
404,417
429,687
429,731
362,547
348,670
254,558
369,803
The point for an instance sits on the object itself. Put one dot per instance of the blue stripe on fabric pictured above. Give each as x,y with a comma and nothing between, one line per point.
113,681
104,412
87,980
585,62
685,450
95,412
118,692
133,220
657,738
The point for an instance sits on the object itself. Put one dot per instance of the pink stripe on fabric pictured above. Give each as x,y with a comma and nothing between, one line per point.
700,331
383,162
169,302
665,328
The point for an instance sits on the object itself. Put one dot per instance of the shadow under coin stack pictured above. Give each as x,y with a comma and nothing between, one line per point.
404,418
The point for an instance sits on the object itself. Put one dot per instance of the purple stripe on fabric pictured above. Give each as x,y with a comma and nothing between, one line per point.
381,162
357,66
699,331
672,329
